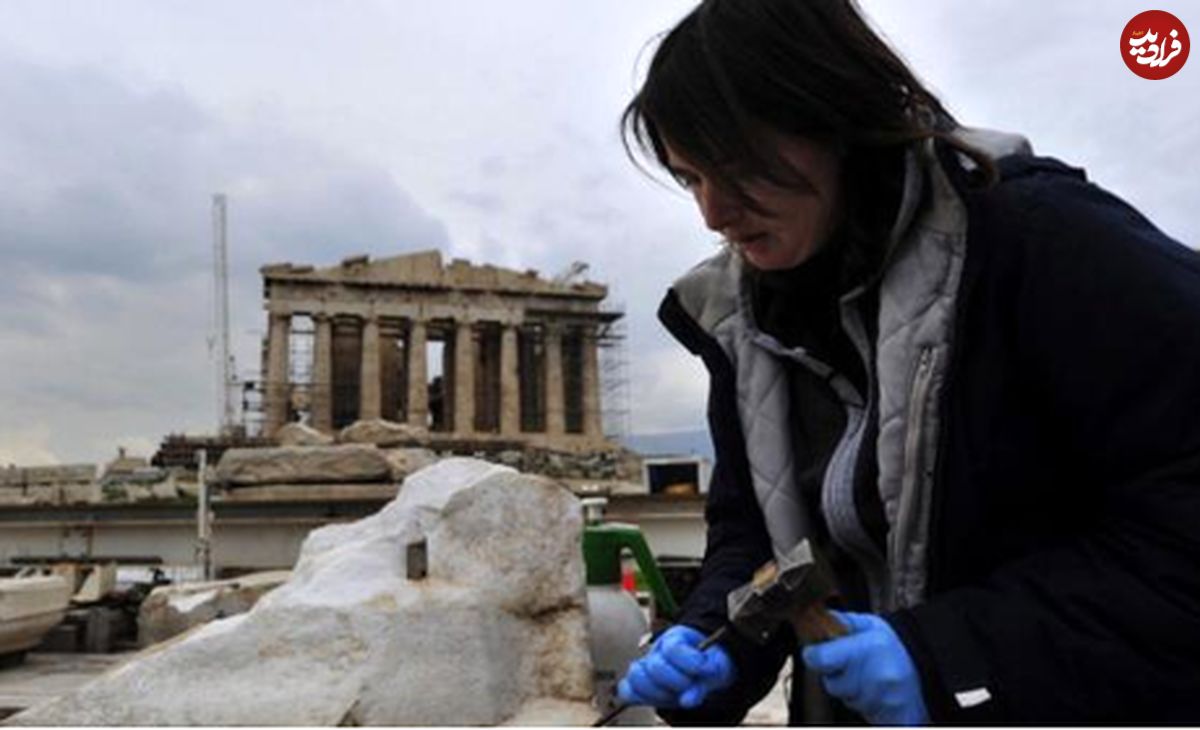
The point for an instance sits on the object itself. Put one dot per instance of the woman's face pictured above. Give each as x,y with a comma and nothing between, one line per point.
795,222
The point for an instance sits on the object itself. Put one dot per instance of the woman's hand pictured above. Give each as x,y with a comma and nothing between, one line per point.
675,673
870,671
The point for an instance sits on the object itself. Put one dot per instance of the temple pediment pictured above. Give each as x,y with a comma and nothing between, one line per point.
426,269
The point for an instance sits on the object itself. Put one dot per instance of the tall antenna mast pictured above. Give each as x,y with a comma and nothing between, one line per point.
225,374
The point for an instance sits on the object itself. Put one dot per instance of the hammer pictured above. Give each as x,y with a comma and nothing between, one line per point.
792,589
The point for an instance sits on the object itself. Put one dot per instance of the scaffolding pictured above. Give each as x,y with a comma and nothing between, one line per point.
301,339
614,373
253,413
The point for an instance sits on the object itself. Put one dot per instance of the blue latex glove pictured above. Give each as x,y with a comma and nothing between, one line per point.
674,673
870,671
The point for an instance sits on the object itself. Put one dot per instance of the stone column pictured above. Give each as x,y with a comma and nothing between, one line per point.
370,395
556,423
464,377
592,418
275,389
510,393
418,396
322,374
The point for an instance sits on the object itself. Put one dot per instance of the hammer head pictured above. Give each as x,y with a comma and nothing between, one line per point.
779,590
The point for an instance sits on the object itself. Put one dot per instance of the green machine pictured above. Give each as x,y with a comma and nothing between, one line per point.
617,624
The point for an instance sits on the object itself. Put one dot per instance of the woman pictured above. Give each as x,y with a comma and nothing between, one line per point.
968,375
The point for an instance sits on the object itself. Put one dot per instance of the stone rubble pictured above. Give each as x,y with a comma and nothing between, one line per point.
302,464
81,493
608,465
171,610
408,461
307,461
299,434
494,633
381,433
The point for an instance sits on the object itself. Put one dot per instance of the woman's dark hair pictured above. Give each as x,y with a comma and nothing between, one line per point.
810,68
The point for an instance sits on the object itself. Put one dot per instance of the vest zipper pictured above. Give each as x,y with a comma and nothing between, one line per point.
918,471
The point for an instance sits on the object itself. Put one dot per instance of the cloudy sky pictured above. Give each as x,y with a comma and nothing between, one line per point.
485,129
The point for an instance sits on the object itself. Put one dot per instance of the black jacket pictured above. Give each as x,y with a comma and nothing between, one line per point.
1064,557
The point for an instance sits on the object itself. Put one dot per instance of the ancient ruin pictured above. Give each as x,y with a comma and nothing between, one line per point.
518,354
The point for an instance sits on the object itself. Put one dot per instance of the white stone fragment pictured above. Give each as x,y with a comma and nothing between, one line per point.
81,493
404,462
302,465
494,634
172,609
299,434
381,433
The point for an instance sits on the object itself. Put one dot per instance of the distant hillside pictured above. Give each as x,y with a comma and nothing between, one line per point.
695,443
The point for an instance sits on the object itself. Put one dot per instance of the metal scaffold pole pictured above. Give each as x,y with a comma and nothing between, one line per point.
203,518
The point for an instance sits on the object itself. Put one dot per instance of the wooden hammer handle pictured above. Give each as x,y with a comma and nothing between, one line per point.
816,624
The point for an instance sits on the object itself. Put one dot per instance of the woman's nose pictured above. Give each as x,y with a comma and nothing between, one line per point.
719,208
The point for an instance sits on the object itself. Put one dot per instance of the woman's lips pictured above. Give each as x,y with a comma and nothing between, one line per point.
758,240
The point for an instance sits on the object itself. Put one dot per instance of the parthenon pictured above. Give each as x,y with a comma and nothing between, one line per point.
518,357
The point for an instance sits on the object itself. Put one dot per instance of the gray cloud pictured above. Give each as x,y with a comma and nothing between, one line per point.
106,236
1059,79
100,178
482,201
493,166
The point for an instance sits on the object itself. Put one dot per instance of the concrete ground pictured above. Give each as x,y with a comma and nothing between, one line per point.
42,677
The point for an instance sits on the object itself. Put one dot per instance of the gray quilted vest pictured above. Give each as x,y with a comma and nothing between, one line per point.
927,247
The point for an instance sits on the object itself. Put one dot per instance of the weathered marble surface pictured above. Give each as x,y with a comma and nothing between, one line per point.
495,633
302,464
171,610
298,434
380,432
408,461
